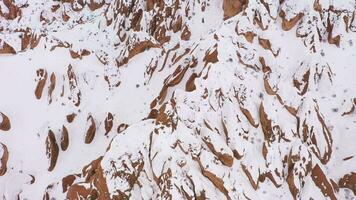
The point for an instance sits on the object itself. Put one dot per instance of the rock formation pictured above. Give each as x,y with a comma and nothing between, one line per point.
177,99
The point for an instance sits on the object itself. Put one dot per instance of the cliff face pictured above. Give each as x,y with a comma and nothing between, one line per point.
204,99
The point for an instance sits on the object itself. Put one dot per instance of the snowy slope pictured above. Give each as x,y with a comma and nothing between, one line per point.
205,99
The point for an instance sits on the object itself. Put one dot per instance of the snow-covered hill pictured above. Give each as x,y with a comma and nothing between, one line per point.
177,99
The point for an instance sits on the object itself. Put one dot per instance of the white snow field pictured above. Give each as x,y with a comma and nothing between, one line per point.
177,99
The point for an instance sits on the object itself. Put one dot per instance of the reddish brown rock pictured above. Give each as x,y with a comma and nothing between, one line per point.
268,87
89,136
322,182
68,181
327,136
5,48
177,25
64,138
76,94
265,123
136,20
178,75
13,10
5,124
3,159
122,127
226,159
249,117
185,33
348,181
65,17
94,185
79,54
211,57
95,4
253,183
51,86
249,36
108,123
190,85
216,181
270,176
74,54
266,44
291,185
150,4
42,76
72,77
295,177
136,49
332,39
79,191
302,85
25,40
289,24
71,117
233,7
52,150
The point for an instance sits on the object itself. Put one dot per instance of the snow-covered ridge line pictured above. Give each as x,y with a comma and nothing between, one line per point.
242,99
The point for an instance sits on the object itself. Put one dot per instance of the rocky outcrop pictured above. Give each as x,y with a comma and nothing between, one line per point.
108,123
4,156
5,124
52,150
64,138
233,7
89,136
42,78
248,97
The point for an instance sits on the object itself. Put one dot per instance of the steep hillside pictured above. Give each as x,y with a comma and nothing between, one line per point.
177,99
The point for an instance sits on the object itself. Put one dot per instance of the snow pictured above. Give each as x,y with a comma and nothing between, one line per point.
179,151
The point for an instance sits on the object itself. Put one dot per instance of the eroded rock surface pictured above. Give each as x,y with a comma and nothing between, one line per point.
206,99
